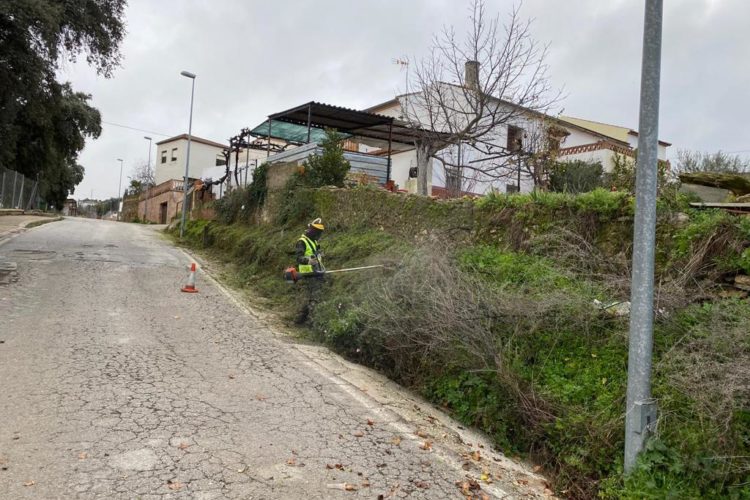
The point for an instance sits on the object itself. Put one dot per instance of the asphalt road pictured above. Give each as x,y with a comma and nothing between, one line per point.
114,384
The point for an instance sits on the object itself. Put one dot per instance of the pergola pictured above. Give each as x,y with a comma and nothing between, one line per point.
306,122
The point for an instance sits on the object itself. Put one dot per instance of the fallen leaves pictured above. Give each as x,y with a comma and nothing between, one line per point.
427,445
370,422
468,485
29,483
396,440
260,397
82,455
342,486
174,485
232,376
421,433
476,455
358,434
537,468
183,446
335,466
471,489
421,484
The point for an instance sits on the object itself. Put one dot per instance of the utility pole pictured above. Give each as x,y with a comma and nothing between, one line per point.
640,412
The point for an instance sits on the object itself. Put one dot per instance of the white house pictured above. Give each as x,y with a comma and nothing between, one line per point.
171,155
578,139
596,141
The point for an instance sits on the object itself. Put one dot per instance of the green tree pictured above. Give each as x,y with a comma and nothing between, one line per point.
43,123
330,167
52,131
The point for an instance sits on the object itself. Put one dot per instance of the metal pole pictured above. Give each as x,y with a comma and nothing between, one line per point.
390,141
33,193
247,159
309,113
519,173
640,414
459,171
20,192
2,191
148,189
119,190
187,160
13,200
268,147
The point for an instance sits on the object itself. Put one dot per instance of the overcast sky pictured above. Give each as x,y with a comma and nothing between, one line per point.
256,57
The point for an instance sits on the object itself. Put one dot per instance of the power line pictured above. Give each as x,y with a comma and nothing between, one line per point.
138,129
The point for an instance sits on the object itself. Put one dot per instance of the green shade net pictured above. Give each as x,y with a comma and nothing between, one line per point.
291,132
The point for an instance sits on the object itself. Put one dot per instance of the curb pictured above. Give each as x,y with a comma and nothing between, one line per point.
36,223
12,233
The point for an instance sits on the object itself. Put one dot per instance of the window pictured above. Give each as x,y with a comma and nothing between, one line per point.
164,156
174,154
220,160
515,139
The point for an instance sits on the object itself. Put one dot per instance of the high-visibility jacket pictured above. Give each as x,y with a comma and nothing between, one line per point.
312,250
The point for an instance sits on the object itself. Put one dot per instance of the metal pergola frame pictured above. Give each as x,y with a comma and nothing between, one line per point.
348,121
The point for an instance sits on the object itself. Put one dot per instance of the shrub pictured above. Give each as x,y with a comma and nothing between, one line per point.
575,176
330,167
241,203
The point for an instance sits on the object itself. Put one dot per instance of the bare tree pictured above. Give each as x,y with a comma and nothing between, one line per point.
694,161
467,92
142,178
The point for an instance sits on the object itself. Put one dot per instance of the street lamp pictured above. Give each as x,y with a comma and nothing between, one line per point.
119,188
187,159
145,202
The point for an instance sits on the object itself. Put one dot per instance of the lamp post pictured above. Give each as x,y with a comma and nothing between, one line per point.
145,202
187,159
119,189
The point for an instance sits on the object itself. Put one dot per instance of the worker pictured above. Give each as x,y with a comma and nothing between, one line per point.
307,249
309,263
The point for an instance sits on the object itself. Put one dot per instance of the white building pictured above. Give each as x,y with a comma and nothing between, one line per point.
595,141
578,139
171,155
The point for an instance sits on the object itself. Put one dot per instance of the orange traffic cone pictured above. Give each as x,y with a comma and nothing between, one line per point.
190,287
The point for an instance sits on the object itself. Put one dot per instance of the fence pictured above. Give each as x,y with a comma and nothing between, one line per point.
17,191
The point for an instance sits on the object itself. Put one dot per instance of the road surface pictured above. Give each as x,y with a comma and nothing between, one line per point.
116,385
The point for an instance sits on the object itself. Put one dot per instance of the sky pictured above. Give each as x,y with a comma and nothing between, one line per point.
253,58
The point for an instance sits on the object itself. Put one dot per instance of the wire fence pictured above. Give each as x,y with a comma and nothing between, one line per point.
18,191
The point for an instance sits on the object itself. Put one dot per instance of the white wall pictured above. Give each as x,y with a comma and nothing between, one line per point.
482,182
603,156
202,156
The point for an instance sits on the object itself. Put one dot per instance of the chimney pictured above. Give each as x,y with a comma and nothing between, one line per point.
471,75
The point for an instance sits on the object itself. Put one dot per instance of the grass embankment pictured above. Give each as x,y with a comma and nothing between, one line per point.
490,315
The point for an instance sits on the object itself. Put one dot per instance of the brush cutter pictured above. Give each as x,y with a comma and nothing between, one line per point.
291,275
